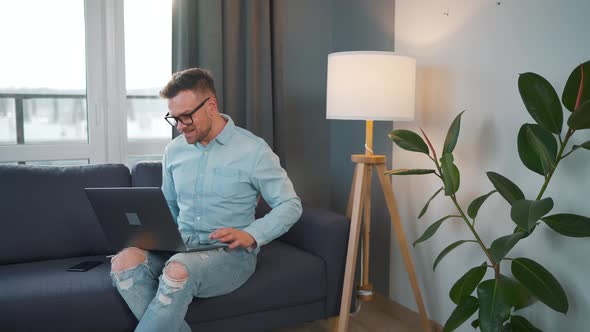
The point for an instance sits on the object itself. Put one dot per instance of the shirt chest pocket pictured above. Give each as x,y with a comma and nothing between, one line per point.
230,183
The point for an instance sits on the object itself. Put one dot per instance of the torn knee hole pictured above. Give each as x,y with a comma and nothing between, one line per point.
133,251
175,275
128,259
176,271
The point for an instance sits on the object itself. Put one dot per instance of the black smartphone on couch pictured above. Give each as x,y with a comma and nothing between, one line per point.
84,266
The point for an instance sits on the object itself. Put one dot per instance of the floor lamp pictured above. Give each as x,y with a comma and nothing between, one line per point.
371,86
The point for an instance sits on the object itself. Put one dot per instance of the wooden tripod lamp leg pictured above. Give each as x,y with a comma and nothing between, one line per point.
353,239
403,243
366,288
351,196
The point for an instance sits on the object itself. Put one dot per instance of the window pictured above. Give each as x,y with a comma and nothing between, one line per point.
81,84
7,118
148,65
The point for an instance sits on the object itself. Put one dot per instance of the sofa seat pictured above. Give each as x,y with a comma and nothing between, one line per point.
89,296
85,297
277,283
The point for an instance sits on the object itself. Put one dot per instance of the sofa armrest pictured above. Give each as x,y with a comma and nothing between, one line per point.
325,234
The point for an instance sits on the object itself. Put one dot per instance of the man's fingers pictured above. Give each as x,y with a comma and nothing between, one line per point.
220,233
228,235
227,238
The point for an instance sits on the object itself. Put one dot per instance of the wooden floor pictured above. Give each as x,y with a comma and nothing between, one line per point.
379,315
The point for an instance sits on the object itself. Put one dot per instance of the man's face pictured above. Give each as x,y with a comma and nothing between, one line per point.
184,103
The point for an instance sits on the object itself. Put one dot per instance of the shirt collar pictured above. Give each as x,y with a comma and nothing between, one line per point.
227,132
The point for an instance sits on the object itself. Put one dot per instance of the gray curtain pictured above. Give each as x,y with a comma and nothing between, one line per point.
266,53
233,39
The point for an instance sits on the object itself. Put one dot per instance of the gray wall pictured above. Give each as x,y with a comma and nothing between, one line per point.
470,60
317,151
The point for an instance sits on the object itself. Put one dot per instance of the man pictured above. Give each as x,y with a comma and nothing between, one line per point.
212,178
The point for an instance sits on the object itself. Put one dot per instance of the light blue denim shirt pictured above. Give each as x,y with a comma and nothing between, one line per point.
216,186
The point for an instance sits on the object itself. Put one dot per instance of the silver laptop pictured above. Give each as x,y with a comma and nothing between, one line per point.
139,217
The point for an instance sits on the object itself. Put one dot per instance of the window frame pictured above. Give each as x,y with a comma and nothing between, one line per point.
106,98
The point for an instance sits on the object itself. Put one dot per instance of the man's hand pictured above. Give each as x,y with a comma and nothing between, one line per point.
235,237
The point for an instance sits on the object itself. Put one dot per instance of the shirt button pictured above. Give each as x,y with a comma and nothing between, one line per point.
198,218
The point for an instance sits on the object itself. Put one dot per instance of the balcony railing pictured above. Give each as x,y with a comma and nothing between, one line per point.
22,114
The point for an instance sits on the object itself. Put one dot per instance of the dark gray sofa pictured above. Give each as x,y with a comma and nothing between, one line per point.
47,225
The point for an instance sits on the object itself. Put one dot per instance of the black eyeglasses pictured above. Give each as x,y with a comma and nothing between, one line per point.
185,119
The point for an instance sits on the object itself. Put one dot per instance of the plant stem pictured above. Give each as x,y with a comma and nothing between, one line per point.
495,265
474,232
435,173
567,154
569,134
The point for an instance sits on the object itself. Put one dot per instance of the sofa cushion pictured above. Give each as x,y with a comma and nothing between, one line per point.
43,296
45,212
147,174
285,276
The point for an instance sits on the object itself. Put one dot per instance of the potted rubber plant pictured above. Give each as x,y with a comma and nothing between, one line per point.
541,147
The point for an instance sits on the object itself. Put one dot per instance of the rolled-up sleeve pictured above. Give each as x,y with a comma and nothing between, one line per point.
271,180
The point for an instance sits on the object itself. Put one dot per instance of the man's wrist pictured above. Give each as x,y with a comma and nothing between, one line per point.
254,244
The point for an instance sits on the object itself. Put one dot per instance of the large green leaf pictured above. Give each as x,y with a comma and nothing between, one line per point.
505,187
532,141
429,232
521,324
494,306
461,313
509,293
541,283
477,203
572,86
452,135
580,118
541,100
525,213
569,224
447,250
467,283
427,203
450,174
405,171
517,295
546,157
408,140
502,245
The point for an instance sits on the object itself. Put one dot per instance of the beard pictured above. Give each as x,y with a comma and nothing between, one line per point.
193,134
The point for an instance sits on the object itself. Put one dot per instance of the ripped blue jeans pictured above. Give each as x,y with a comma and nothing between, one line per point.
160,303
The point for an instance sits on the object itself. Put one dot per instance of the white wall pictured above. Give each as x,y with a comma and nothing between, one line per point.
470,60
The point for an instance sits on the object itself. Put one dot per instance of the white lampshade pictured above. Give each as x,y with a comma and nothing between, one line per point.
369,85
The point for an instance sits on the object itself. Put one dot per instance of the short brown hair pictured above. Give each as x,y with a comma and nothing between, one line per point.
196,79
